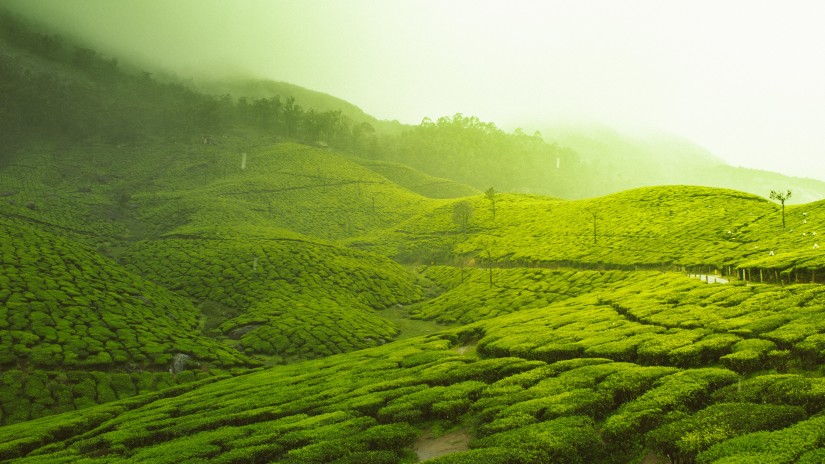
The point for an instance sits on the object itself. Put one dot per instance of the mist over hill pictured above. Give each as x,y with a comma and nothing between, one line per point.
249,271
626,160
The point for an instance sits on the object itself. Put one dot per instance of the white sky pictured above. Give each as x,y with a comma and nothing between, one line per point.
744,79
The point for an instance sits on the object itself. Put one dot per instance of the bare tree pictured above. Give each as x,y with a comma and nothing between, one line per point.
595,217
781,197
487,249
463,214
490,193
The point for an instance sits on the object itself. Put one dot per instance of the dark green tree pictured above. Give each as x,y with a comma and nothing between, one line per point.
781,197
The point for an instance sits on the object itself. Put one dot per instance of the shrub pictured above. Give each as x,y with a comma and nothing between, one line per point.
683,439
566,439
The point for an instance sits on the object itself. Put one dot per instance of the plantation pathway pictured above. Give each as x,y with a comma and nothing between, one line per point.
653,458
711,279
429,447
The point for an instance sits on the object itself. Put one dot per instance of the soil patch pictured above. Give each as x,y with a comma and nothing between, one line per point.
653,458
429,447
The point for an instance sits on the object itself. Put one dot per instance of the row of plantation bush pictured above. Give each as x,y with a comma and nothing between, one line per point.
288,186
659,227
780,322
288,298
799,443
317,413
38,393
470,297
669,319
63,305
417,181
45,187
370,405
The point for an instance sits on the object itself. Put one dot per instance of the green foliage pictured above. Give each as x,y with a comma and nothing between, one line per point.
568,439
684,439
289,298
120,254
788,389
486,455
782,446
680,392
86,307
480,154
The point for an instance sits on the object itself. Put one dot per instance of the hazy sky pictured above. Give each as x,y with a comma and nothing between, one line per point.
745,79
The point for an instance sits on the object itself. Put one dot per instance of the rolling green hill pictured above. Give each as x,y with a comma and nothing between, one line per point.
215,290
77,329
417,181
660,227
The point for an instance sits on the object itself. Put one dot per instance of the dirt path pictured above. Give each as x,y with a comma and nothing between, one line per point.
427,447
653,458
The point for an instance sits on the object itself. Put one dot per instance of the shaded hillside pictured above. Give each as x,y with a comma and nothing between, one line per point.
78,330
59,91
659,226
286,298
267,189
417,181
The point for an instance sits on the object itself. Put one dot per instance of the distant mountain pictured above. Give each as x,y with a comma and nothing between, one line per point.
621,161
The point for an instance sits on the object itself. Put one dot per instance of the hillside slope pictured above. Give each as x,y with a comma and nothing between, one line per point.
596,380
183,280
660,227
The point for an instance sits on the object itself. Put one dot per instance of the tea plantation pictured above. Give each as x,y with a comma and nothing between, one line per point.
252,301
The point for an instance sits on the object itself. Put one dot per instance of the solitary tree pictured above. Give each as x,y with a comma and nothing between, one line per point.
490,193
781,197
462,214
488,245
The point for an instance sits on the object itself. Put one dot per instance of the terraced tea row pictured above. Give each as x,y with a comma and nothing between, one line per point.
285,186
662,227
474,294
26,395
371,405
284,298
64,305
672,320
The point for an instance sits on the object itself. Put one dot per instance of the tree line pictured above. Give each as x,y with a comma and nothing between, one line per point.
51,89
